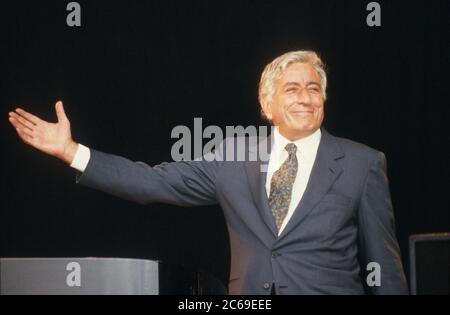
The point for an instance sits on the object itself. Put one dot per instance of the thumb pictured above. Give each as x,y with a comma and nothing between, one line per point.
60,112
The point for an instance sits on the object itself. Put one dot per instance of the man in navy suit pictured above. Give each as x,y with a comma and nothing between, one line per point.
310,222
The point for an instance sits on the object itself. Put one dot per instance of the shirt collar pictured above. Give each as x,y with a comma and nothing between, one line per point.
307,147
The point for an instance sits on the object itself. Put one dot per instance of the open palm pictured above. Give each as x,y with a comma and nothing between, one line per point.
51,138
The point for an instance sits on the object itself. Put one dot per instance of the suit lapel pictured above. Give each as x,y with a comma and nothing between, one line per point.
323,174
257,180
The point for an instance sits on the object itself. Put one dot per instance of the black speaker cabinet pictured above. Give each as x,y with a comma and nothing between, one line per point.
429,256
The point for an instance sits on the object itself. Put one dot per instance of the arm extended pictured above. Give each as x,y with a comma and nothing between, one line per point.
180,183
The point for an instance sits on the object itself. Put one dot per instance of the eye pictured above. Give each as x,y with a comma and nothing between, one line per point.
290,90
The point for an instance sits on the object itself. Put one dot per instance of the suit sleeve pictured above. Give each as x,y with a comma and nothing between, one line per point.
179,183
377,239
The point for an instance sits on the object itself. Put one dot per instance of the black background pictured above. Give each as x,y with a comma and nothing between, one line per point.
136,69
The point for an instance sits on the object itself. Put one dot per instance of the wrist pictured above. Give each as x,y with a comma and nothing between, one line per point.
69,152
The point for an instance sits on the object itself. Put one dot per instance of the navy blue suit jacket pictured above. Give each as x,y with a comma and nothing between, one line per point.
344,220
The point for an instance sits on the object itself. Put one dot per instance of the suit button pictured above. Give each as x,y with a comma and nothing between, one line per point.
275,254
267,285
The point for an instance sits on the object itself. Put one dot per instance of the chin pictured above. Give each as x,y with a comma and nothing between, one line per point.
303,126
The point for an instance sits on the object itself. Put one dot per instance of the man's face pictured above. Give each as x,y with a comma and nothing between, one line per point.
297,104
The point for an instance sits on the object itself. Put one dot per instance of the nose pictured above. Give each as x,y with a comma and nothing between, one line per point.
303,97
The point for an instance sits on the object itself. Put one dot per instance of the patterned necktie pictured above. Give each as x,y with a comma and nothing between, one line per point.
281,186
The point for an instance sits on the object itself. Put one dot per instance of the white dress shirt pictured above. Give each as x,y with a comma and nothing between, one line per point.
81,158
306,155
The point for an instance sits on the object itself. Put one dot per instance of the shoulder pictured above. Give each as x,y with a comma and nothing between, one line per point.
356,151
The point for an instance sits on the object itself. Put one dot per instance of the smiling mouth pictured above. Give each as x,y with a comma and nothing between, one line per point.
301,112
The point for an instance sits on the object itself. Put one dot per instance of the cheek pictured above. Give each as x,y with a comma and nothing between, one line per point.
318,105
318,114
318,109
279,105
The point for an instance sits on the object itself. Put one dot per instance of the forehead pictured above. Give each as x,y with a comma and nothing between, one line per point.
300,73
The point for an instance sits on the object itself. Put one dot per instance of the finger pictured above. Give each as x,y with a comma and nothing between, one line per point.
27,138
25,130
23,121
18,124
34,119
60,111
17,116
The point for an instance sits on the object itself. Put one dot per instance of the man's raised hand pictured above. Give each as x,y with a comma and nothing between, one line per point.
54,139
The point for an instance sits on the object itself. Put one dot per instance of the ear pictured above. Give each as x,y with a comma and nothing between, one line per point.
265,107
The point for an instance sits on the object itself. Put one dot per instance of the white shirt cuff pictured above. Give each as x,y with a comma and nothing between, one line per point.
81,159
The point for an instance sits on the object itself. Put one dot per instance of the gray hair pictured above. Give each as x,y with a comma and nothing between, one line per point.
274,69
